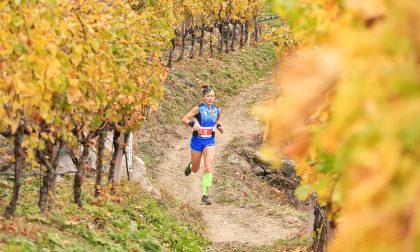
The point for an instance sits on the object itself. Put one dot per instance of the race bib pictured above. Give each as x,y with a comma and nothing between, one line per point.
205,132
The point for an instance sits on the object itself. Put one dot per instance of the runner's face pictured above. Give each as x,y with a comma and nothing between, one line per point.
209,99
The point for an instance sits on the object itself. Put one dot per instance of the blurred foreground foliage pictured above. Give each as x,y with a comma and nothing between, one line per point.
348,110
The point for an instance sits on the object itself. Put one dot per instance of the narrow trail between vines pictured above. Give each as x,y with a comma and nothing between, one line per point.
225,223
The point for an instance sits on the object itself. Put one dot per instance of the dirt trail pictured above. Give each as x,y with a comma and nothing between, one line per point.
225,223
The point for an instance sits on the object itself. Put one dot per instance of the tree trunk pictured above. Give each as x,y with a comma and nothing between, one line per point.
19,160
43,194
53,183
201,41
211,42
256,37
192,44
126,138
227,38
184,35
221,38
322,228
246,32
49,178
232,45
311,216
118,163
99,169
53,194
78,178
116,145
171,53
241,39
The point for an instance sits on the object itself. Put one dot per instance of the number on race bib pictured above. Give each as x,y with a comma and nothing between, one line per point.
205,132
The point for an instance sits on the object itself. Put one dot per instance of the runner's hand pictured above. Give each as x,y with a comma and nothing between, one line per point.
220,128
197,127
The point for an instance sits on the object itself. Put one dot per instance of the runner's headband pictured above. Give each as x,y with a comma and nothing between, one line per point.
208,90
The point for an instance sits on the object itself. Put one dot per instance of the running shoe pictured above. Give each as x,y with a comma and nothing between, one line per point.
188,169
205,200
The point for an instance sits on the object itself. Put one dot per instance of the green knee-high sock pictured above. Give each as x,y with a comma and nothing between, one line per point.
207,178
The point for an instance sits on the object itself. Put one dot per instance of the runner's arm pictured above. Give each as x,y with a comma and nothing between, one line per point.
189,116
218,122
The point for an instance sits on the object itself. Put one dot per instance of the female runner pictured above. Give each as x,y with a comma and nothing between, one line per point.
204,118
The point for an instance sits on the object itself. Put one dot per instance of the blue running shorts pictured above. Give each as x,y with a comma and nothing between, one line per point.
198,144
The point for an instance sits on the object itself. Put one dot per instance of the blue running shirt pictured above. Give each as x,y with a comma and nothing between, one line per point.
207,120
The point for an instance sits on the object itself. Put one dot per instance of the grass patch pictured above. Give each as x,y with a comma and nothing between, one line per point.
146,147
149,154
298,244
295,244
126,221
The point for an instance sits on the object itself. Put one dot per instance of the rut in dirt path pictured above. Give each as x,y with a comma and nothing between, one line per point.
225,223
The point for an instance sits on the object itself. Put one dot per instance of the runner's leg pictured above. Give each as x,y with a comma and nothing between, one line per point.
195,160
208,154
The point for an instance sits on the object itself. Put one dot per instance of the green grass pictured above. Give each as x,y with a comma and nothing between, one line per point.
148,153
126,221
